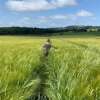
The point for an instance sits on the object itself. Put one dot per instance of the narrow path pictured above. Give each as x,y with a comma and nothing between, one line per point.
93,49
41,72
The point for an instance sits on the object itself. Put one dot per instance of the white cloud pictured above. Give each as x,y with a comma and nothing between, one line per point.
37,5
68,17
84,13
27,18
58,17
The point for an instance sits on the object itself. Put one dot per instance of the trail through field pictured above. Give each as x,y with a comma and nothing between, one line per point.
94,49
40,72
79,44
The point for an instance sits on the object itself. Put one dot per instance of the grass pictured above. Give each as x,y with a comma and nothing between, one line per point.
73,69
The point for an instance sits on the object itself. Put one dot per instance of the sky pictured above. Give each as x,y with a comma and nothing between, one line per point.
49,13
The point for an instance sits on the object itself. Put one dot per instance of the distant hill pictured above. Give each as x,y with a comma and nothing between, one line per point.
50,31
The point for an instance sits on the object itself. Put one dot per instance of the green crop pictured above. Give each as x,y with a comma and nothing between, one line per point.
71,72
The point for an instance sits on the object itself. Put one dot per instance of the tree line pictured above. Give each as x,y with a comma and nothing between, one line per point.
48,31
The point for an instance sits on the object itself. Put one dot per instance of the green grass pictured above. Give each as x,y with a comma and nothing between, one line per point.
73,69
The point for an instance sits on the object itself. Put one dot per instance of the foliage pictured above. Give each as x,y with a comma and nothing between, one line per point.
75,30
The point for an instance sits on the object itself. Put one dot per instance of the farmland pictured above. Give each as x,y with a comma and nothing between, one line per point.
71,72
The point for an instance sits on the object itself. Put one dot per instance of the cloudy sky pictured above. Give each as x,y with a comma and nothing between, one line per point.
49,13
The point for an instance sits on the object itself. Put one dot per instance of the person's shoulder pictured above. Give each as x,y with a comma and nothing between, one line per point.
44,45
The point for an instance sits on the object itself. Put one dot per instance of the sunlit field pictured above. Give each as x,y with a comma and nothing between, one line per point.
73,69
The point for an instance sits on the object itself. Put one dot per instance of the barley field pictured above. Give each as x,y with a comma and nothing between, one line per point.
71,72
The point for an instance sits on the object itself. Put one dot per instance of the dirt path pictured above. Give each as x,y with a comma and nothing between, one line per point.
41,72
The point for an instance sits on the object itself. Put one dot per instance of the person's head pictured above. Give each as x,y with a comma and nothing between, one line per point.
48,40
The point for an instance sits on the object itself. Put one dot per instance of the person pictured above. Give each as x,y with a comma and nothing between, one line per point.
46,47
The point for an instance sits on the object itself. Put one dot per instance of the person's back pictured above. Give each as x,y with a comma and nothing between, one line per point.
46,47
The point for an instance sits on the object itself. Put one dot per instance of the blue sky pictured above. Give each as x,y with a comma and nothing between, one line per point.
49,13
